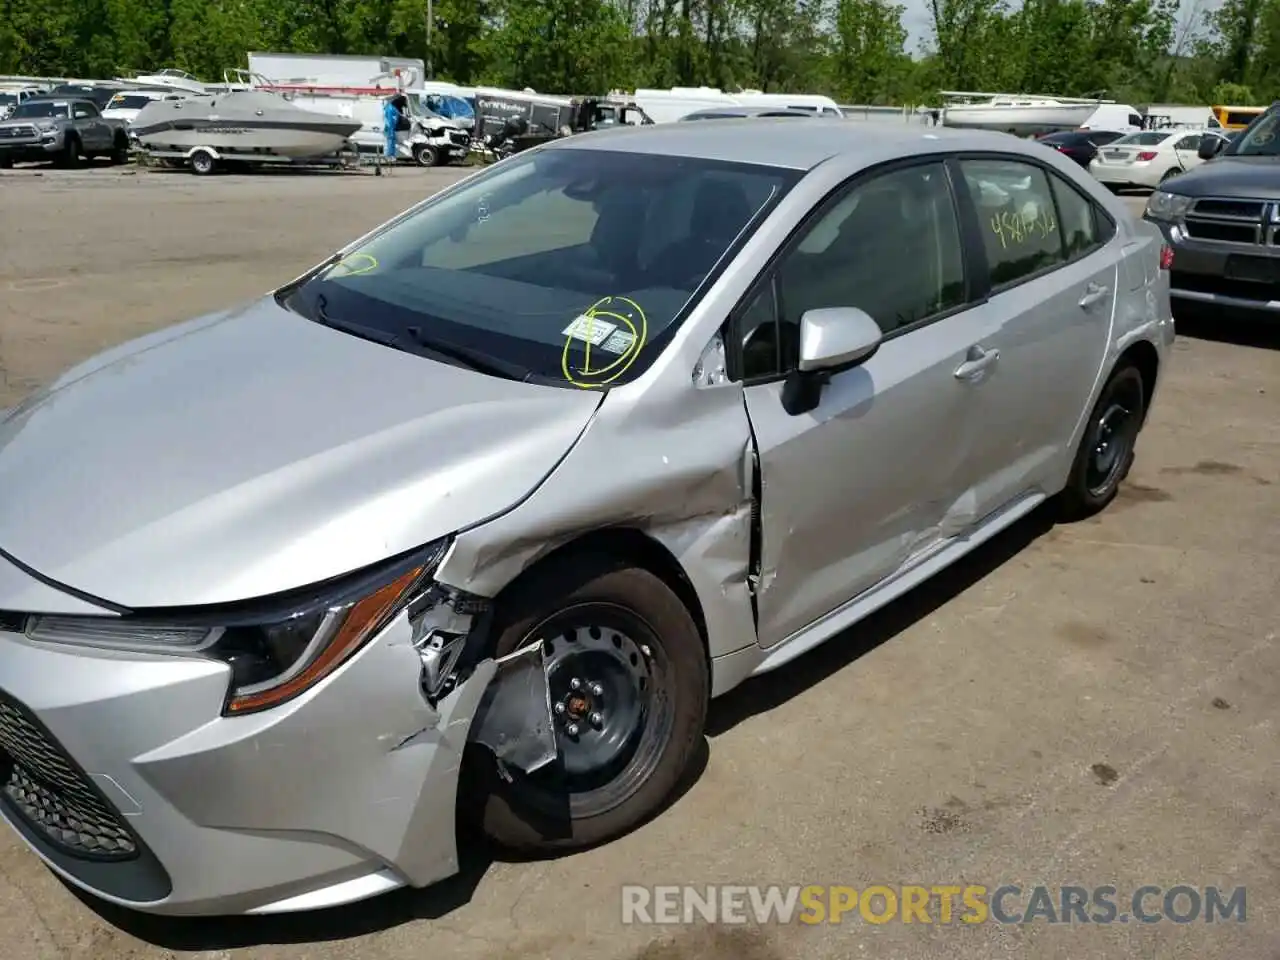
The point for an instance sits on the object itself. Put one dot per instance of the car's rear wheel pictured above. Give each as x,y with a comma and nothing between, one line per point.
629,690
1107,448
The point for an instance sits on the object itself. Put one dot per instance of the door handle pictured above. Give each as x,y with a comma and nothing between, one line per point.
976,362
1094,293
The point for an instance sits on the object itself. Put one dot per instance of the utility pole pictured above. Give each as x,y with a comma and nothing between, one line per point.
431,73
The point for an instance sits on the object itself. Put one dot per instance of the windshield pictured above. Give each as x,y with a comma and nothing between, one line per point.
129,102
1260,139
565,266
1148,138
35,109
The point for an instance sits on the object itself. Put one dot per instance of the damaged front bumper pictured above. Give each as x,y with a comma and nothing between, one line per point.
346,792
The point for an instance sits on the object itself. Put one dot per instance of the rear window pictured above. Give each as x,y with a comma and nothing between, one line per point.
1066,139
1148,138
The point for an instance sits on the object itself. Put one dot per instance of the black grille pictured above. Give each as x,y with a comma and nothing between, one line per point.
16,133
1239,209
1225,232
12,622
48,790
460,137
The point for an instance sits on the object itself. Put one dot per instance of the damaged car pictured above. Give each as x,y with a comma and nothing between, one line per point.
482,511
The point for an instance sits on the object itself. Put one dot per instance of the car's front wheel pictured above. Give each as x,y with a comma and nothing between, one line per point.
1107,448
629,692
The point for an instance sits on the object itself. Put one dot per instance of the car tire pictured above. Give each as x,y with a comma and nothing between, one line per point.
641,705
70,153
203,163
1107,448
425,155
120,149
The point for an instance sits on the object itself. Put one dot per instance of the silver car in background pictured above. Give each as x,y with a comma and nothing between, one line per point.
496,499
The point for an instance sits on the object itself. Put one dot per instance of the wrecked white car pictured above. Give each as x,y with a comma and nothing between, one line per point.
499,497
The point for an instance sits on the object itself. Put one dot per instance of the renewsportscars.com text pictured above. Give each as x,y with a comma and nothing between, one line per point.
940,904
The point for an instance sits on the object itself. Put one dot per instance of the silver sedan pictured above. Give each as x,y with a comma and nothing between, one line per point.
491,503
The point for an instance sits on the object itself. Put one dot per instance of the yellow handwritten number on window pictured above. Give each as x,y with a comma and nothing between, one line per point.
1012,228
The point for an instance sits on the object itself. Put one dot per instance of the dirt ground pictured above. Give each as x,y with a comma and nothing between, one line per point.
1090,704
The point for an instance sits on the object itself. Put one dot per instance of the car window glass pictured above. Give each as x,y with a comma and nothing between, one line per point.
1017,217
1135,120
890,246
1077,217
1148,138
757,327
1191,142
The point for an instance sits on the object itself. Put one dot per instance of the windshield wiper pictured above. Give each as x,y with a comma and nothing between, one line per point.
464,356
355,329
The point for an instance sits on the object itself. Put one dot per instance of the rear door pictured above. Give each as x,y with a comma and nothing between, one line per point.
1051,260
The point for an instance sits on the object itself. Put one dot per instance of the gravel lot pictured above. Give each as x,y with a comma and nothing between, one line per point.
1093,704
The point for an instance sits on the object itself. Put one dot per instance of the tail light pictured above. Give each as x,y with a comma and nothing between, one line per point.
1147,155
1166,257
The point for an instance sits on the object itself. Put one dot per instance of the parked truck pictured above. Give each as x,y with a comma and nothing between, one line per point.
61,130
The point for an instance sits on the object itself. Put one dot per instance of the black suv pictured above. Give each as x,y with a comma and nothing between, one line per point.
1222,221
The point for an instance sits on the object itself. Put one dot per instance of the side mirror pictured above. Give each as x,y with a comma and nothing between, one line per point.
836,338
832,339
1209,147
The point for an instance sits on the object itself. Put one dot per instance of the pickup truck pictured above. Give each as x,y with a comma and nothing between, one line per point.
1222,224
62,130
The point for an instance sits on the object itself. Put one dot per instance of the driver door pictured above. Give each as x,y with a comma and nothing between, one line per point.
857,487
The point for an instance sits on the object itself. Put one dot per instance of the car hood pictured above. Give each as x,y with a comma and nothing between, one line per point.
244,454
1255,178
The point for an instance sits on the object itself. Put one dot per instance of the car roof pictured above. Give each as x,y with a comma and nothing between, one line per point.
732,111
60,98
795,146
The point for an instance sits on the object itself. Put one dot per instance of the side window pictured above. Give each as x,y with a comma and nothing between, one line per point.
1135,120
757,327
1017,217
1191,142
82,113
1080,221
890,246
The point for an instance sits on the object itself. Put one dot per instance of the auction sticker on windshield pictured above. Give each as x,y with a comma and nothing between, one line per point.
589,328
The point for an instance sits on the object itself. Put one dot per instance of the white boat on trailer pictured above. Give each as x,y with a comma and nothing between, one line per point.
254,127
1017,113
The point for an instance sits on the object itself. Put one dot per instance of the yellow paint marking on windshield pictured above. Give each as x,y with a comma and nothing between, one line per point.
368,261
606,320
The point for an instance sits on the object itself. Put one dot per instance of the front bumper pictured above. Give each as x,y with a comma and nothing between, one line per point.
31,151
1201,274
343,793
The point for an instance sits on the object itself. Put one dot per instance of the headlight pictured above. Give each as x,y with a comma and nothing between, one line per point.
46,127
276,648
1167,206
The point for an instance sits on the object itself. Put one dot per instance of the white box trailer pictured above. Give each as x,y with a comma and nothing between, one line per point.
336,70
